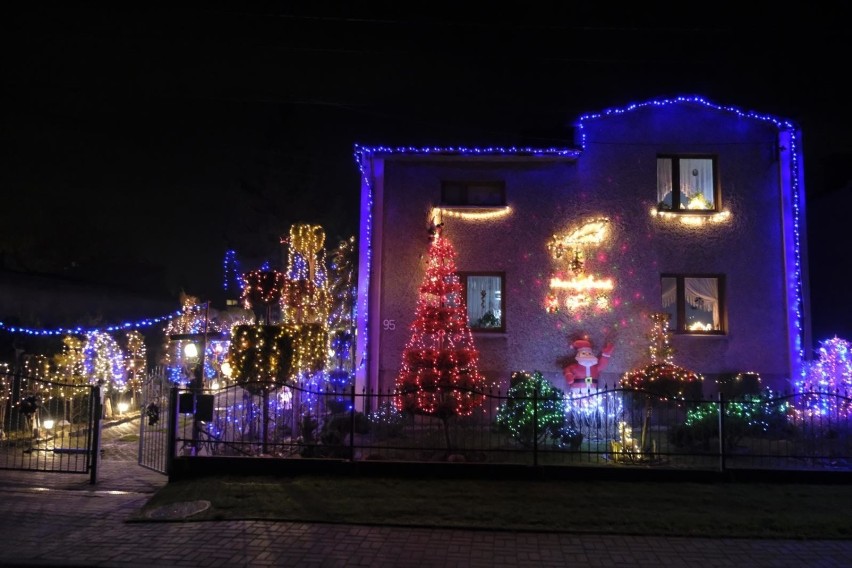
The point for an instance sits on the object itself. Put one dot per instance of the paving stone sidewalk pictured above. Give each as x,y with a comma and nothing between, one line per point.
62,520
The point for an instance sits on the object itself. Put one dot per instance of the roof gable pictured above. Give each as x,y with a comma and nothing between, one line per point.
780,123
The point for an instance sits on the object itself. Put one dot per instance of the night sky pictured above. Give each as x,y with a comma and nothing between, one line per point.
139,145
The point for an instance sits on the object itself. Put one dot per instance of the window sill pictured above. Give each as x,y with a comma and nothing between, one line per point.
471,212
720,334
692,216
489,333
473,207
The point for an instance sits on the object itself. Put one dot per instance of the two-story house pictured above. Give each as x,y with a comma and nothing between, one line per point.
679,206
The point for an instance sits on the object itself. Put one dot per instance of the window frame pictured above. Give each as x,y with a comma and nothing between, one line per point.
465,187
463,278
675,164
679,325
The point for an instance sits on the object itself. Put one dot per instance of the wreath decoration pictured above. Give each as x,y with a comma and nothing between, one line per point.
29,405
152,411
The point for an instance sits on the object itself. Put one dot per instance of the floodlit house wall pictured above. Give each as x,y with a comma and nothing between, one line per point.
749,244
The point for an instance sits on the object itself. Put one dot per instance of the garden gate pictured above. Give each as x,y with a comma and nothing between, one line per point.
154,422
49,426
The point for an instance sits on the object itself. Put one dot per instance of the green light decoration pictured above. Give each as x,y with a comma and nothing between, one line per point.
534,408
759,414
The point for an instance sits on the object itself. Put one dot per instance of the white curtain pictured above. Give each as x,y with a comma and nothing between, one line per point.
669,291
696,177
700,293
483,296
664,181
707,290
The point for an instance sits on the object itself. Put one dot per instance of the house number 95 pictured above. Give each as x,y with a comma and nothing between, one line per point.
389,325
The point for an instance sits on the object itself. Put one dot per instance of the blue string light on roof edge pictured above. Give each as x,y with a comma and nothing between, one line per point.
462,150
367,227
780,123
83,330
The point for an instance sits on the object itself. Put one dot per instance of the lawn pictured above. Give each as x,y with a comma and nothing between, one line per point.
724,509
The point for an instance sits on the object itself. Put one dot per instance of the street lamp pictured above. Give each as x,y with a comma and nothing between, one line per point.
190,351
195,351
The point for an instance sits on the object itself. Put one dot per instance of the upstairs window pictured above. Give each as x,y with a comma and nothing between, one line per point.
473,194
695,303
687,183
485,302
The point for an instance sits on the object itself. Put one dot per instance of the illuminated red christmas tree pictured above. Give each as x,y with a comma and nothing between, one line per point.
439,375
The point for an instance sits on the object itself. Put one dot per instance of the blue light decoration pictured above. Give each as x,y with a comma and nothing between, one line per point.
793,204
827,382
86,330
298,268
232,281
104,361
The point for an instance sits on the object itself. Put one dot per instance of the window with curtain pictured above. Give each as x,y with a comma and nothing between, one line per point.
694,302
484,297
687,183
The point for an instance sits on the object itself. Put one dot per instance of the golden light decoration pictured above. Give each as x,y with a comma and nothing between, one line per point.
260,356
582,284
310,346
470,213
579,291
307,239
590,233
306,298
687,219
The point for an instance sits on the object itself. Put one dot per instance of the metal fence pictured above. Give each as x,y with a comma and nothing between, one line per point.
620,427
154,411
48,425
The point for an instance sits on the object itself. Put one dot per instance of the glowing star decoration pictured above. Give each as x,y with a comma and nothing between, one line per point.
570,251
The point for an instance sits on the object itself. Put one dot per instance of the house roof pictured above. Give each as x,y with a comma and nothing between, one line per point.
780,123
558,153
462,152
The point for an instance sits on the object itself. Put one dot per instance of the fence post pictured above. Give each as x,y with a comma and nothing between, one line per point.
97,409
172,416
352,424
535,426
721,432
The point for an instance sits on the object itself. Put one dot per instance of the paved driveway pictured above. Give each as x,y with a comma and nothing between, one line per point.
61,519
